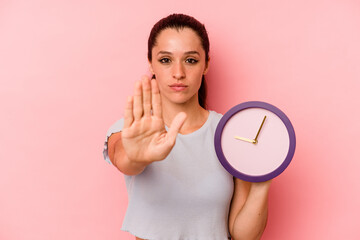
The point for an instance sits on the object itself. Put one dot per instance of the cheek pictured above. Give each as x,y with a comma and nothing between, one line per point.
159,71
197,75
161,78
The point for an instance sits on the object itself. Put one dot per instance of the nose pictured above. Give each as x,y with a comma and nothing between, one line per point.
178,71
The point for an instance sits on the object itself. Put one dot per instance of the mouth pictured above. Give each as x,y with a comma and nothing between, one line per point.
178,87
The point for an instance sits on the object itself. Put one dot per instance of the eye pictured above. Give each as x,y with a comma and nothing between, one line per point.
164,60
191,60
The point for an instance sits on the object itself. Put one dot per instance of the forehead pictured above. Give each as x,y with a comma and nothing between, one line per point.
173,40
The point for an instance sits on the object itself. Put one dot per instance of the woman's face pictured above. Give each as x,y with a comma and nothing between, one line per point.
178,62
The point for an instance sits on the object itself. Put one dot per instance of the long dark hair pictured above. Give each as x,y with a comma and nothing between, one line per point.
180,21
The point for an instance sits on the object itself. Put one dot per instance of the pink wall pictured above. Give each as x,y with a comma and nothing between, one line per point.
67,66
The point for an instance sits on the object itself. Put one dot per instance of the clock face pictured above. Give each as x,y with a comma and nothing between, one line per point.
255,141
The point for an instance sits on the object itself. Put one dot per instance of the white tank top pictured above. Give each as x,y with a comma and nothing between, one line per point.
184,197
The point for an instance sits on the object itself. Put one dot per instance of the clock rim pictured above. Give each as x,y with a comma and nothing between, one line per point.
227,165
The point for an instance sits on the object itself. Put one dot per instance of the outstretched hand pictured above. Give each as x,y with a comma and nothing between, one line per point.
144,136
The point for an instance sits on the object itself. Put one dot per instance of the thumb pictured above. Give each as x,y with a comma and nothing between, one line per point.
176,124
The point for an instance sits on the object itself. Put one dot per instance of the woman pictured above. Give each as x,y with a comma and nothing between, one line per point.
176,186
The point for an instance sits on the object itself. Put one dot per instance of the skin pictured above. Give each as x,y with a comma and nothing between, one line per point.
178,63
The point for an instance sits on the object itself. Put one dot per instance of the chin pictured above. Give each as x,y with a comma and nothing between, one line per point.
184,100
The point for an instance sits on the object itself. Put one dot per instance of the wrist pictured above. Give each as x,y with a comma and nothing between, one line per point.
131,167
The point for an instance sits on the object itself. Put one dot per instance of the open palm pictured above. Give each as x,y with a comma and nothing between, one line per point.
144,136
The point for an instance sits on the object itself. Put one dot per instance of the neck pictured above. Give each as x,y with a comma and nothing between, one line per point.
196,115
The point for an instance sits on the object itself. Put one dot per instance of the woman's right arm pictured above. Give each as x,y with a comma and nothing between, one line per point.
143,139
119,159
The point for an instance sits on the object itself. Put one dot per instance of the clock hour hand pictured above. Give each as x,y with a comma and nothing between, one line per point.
245,139
255,140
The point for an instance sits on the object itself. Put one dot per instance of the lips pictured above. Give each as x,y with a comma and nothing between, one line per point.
178,87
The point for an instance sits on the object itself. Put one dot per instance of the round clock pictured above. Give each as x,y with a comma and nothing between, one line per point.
255,141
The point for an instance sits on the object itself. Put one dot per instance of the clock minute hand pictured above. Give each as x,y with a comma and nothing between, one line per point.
255,140
245,139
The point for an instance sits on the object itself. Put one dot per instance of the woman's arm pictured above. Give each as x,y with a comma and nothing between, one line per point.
119,158
248,210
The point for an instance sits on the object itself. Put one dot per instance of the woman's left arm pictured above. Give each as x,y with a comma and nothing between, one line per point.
248,210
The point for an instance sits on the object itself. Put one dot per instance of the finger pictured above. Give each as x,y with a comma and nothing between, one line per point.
129,118
137,106
146,91
156,99
176,124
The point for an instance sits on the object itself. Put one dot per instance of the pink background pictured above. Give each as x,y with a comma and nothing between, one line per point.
66,68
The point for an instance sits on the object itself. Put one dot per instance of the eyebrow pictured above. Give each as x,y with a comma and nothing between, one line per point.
170,53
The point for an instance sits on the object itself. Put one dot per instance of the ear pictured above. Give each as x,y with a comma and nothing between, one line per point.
151,68
206,67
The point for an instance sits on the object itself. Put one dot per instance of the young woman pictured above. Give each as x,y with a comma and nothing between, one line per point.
177,188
